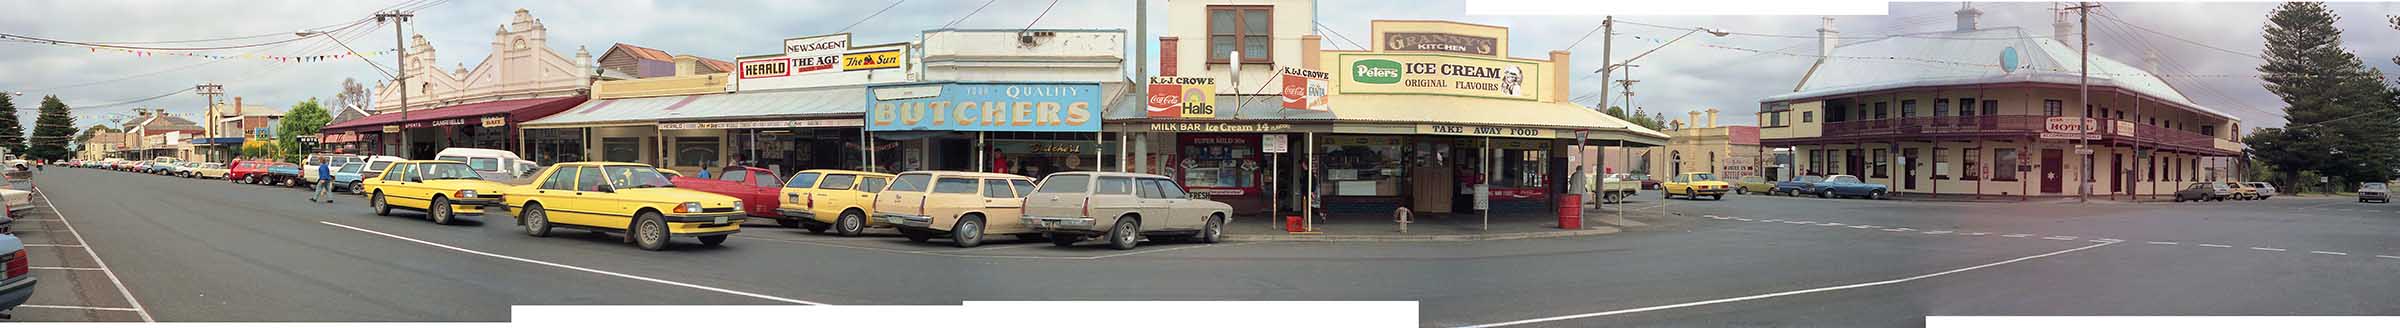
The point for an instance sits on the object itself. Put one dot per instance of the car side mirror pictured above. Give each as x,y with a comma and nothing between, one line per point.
608,188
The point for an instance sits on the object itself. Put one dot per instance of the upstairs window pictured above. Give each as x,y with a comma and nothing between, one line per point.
2054,108
1241,28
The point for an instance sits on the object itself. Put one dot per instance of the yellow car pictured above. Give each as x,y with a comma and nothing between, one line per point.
442,189
836,199
1753,183
1692,185
630,198
2243,191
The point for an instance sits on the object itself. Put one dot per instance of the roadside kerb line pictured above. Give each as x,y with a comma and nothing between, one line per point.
1022,257
87,250
1780,294
577,268
51,245
2329,253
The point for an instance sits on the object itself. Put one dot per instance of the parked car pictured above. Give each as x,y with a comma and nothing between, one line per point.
1799,185
494,164
327,160
1692,185
442,189
283,174
1844,185
250,172
1121,207
346,179
376,165
962,205
206,171
16,284
2265,190
17,200
1748,183
756,187
1617,187
840,200
622,197
2204,191
2242,191
2374,191
1648,183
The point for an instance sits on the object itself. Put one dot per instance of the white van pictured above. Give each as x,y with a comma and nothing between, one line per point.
494,164
376,164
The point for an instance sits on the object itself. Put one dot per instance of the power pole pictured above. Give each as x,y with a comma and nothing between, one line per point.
2083,138
209,124
400,44
1628,82
1608,34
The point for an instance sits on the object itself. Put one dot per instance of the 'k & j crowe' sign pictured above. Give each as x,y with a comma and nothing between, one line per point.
1024,107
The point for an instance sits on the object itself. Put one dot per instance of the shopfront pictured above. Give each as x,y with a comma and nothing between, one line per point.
420,134
1027,128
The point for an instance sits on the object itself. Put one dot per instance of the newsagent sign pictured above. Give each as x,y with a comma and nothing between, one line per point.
824,60
1437,74
1020,107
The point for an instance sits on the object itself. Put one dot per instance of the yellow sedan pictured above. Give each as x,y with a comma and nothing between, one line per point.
442,189
1692,185
634,199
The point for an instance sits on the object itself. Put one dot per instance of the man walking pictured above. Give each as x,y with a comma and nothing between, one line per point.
324,181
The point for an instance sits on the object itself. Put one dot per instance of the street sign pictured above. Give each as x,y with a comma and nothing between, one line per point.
1274,143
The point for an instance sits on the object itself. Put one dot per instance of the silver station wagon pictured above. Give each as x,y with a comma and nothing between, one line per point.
1121,208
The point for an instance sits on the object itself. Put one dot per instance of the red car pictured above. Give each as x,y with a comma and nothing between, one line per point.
251,172
757,187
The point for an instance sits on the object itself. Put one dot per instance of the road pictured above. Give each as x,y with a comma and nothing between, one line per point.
204,250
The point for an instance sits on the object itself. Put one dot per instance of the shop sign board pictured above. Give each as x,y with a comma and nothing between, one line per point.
1220,127
1441,42
2066,127
1439,74
1182,97
1017,107
1275,143
2125,128
1305,89
816,53
495,121
391,129
767,124
450,122
765,68
1484,131
888,58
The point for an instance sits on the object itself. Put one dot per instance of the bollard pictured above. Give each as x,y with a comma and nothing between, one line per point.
1402,216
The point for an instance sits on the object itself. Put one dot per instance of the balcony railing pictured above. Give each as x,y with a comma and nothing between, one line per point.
2010,124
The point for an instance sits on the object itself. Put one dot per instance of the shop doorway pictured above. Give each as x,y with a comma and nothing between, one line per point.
1435,184
2116,173
1908,169
2051,159
1855,162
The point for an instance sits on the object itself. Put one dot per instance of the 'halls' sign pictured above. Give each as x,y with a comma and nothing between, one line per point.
1439,75
1182,97
1024,107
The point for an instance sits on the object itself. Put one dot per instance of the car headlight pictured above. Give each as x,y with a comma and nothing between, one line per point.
688,207
466,194
737,204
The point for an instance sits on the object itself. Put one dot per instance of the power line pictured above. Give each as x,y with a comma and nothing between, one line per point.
1045,13
978,9
872,16
1338,34
1923,35
2172,36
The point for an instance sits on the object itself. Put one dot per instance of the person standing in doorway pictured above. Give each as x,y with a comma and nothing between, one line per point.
324,181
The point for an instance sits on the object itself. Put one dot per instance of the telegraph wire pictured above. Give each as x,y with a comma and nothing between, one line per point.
978,9
1038,18
871,16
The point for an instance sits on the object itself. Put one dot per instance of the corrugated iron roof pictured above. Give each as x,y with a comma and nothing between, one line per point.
1969,58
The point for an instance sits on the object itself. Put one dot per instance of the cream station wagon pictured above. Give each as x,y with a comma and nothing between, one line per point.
1121,207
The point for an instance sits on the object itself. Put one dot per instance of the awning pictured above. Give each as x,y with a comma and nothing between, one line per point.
493,113
830,102
1424,110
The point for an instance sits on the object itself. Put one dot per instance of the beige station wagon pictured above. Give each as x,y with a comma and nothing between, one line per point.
962,205
1121,207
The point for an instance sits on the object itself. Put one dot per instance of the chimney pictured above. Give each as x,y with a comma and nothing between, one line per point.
1694,121
583,61
1712,118
686,65
2150,61
2060,28
1827,38
1967,14
237,107
1166,57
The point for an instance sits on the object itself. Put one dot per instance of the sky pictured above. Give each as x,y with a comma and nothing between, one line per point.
1679,77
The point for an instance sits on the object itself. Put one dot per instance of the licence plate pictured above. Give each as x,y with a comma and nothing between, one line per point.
720,220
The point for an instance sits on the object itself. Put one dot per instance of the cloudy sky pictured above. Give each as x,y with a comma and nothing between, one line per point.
1680,77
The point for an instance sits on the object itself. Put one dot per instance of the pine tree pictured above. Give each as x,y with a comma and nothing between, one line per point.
2340,116
12,135
51,129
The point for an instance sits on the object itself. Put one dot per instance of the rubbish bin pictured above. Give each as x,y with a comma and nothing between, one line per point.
1293,223
1570,212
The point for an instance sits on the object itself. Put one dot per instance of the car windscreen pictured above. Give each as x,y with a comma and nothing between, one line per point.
439,171
1704,177
910,183
486,164
2374,185
378,166
630,176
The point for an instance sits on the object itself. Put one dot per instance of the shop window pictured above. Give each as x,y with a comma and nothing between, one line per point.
2004,163
2053,108
624,149
1941,107
1362,165
696,151
1883,163
1941,164
1240,28
1966,106
1991,107
1524,164
1973,157
1908,108
1808,117
1223,164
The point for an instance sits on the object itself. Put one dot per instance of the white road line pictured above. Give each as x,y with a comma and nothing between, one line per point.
1938,232
1743,219
63,268
2329,253
1829,224
2021,235
51,245
1975,233
2214,245
1899,229
1780,294
2389,257
2060,237
2270,249
2163,243
73,307
1771,220
1801,222
87,250
577,268
2105,240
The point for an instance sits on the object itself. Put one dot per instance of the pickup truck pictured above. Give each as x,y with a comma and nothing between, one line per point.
286,174
759,189
1615,188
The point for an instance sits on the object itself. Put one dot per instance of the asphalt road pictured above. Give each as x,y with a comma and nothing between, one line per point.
205,250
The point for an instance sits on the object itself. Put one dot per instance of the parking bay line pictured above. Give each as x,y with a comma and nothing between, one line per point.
1787,293
73,307
577,268
63,268
87,250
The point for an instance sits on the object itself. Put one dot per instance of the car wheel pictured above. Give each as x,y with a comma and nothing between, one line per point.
916,235
354,186
713,240
439,211
850,224
537,221
788,222
649,231
1126,235
1740,191
969,231
1690,194
377,203
1065,240
1716,197
1828,193
1213,231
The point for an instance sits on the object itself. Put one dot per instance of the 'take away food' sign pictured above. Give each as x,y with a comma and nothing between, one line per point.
1439,75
